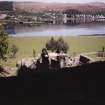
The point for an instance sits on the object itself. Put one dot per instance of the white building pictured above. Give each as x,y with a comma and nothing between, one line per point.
2,16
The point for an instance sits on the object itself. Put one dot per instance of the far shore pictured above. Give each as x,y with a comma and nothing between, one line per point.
97,35
28,36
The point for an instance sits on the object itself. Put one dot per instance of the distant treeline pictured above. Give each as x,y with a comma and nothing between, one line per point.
6,6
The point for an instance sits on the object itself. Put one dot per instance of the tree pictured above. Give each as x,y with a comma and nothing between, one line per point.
57,45
13,50
3,44
62,46
51,44
34,53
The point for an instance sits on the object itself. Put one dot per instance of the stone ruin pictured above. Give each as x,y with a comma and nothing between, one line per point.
101,53
52,61
6,71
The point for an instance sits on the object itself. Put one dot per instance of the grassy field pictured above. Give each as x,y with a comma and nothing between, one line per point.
78,44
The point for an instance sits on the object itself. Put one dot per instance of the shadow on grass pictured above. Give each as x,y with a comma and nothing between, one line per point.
56,88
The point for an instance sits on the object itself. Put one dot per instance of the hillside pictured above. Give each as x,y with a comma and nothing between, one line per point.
39,6
6,6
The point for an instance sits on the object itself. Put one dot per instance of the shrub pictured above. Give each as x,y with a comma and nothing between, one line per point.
3,44
13,50
51,44
57,45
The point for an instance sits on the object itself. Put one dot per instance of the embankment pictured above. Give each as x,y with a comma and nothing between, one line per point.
56,88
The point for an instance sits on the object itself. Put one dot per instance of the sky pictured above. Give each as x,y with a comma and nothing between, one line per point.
62,1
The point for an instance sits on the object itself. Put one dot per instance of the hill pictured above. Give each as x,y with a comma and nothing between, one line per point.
6,6
41,6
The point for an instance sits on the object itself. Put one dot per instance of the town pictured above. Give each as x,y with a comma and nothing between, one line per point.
10,14
51,17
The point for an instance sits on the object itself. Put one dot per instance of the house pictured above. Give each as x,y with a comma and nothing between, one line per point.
3,16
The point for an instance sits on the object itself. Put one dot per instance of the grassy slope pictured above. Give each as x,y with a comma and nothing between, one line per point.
77,44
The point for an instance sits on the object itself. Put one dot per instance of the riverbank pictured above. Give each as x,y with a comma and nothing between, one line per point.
78,44
84,84
56,88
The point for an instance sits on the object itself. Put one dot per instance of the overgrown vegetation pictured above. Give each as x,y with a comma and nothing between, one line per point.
13,51
7,50
3,44
57,45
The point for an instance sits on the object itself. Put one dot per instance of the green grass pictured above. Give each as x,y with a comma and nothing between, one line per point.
78,44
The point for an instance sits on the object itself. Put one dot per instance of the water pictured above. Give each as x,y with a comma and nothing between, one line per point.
56,30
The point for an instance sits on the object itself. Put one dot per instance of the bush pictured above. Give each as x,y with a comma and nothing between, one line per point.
51,44
62,46
57,45
3,44
34,53
13,50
